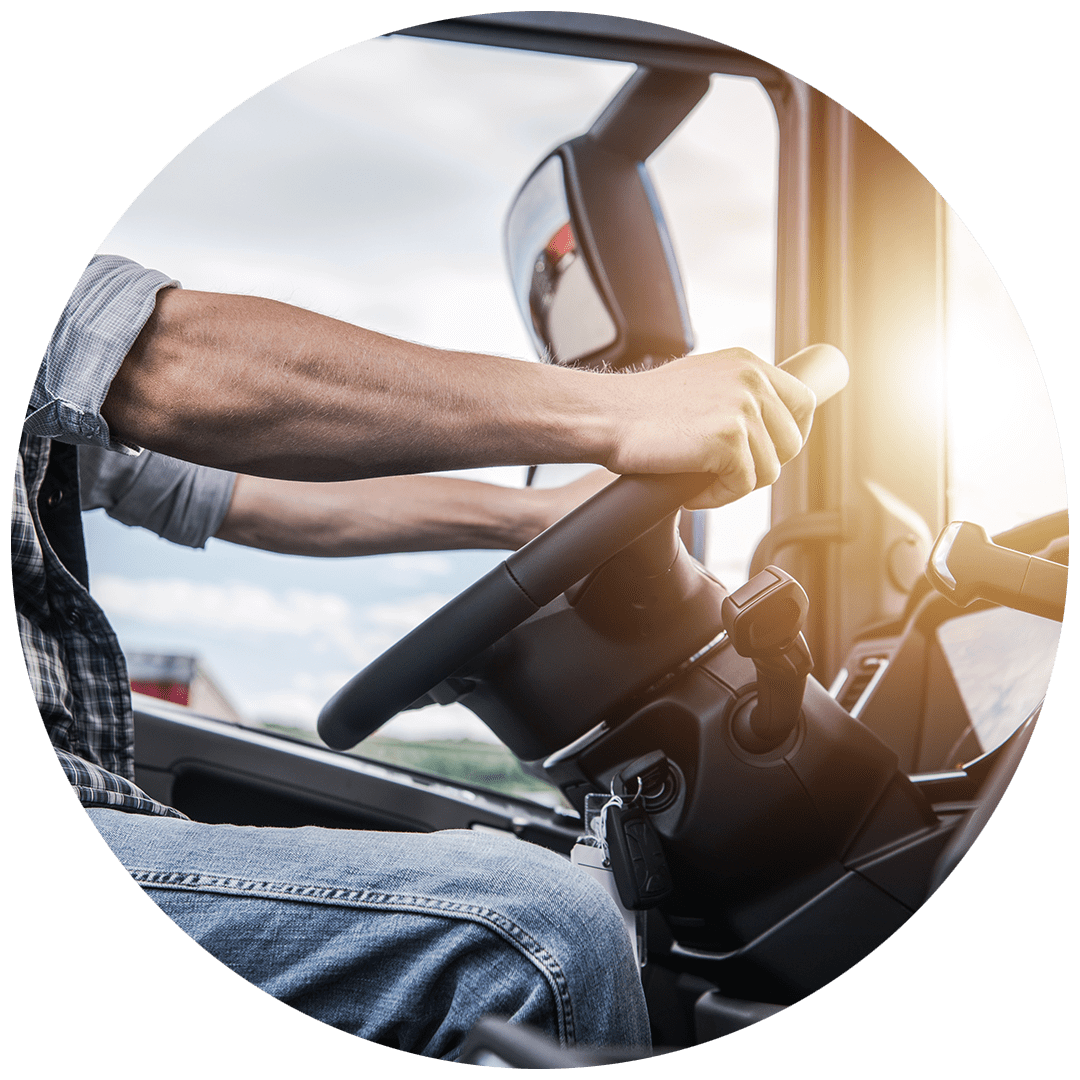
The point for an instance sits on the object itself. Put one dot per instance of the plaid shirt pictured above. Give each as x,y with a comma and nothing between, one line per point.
75,664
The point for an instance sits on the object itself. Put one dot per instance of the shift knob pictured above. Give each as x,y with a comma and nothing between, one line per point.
764,616
764,621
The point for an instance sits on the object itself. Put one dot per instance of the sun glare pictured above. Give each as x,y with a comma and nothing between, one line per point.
1005,464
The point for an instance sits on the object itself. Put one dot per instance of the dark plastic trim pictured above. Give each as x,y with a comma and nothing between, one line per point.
172,741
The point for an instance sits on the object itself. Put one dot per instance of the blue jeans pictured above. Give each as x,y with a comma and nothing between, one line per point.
401,938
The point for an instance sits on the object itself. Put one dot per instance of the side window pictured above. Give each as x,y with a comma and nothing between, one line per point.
372,186
1005,464
1004,468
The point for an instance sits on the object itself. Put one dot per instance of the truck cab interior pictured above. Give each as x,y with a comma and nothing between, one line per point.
813,745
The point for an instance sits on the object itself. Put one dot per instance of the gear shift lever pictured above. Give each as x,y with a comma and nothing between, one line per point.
966,565
764,621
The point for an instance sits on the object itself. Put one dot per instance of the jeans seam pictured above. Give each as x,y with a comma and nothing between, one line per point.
371,899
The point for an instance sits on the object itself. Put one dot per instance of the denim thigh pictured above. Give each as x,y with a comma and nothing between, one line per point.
402,938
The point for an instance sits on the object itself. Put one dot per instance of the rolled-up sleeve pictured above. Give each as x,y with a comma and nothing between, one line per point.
182,502
106,312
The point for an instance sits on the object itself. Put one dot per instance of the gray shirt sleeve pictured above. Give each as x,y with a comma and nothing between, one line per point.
106,312
182,502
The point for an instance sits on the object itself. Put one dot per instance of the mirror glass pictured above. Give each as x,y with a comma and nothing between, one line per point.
553,285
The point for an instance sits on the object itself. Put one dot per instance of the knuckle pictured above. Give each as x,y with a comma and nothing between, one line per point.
742,476
800,400
752,378
788,447
738,353
732,442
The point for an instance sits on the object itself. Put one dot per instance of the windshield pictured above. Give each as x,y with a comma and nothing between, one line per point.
373,186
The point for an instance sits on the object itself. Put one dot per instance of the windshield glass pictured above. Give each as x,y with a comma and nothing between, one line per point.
371,186
374,186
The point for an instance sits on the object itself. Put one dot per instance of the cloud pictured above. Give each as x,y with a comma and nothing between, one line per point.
406,613
233,606
360,633
417,563
284,707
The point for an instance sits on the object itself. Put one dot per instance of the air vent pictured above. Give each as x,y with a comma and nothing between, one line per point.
857,688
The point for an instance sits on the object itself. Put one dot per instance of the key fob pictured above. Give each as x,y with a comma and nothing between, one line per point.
637,858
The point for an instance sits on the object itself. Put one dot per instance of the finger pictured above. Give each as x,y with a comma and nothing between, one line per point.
785,405
797,398
786,431
765,447
718,493
737,478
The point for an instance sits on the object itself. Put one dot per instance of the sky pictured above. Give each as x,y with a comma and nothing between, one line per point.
372,186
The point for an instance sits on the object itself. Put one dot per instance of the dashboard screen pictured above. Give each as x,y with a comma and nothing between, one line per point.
1001,660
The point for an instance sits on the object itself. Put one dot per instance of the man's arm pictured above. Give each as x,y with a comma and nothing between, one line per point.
271,390
188,503
394,513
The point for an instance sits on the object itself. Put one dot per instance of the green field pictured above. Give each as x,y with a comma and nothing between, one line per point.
463,760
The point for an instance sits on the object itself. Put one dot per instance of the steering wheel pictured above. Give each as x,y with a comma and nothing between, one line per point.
529,579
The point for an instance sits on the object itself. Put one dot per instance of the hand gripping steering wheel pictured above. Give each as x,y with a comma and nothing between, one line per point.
529,579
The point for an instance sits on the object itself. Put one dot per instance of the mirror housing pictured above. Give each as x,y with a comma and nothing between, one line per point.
591,262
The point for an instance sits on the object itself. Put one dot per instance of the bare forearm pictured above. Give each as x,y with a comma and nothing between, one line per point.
271,390
394,513
264,388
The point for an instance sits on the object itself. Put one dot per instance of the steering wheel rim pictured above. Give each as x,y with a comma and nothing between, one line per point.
529,579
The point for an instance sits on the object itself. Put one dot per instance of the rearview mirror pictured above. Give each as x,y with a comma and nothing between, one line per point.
592,265
553,285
